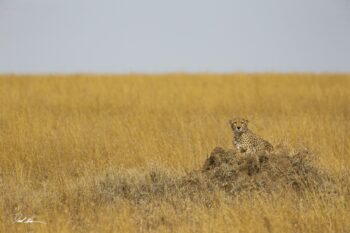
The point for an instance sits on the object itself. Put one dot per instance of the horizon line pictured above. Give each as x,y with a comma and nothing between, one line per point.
29,74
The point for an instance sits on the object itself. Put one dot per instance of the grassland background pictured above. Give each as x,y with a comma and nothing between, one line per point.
61,135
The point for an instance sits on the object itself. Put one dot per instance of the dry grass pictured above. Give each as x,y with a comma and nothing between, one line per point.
107,154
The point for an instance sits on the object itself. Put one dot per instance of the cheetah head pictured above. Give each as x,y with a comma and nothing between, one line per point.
239,125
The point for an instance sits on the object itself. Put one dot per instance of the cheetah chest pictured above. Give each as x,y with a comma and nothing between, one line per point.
244,143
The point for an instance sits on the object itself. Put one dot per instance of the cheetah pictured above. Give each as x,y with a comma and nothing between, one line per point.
244,140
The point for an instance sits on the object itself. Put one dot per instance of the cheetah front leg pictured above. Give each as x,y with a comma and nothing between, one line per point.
239,148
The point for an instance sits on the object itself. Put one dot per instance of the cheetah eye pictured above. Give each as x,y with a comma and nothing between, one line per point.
242,122
235,122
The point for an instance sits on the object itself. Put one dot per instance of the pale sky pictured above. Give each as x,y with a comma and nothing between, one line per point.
122,36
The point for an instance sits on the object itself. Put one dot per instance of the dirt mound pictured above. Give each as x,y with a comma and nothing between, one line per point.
267,172
224,170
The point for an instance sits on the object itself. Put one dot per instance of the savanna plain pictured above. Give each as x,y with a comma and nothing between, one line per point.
125,153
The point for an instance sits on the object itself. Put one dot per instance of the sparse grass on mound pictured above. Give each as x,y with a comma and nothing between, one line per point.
224,170
267,172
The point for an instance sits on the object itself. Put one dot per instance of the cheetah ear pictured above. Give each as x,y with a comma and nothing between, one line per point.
231,124
246,121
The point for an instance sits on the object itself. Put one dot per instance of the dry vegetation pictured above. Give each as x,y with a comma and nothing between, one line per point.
129,154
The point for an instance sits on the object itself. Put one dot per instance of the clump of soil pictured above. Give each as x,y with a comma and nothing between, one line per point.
268,172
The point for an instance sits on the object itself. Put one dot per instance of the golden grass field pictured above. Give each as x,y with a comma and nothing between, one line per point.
68,144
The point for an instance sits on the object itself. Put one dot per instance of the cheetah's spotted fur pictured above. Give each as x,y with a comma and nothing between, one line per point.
245,140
